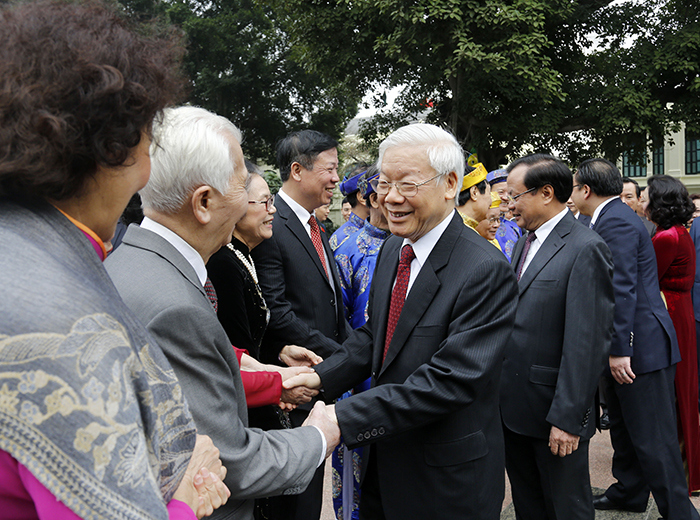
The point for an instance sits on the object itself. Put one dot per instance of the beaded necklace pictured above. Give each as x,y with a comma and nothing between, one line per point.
247,262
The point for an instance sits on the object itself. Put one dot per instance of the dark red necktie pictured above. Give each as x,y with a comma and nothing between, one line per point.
398,295
211,293
528,242
316,239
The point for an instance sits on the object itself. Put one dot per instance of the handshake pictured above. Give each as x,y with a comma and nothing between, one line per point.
301,382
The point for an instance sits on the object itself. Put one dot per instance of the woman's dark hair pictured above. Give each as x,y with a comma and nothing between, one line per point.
669,202
78,86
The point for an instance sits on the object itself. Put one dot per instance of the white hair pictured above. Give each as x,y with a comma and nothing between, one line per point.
444,152
191,148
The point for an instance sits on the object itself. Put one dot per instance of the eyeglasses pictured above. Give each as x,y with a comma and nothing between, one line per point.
405,189
493,220
577,186
269,202
513,198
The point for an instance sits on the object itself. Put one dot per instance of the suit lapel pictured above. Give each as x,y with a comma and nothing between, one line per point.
297,229
517,251
150,241
554,242
423,291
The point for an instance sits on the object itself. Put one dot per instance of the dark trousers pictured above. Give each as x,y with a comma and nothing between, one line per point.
644,436
546,486
307,505
370,496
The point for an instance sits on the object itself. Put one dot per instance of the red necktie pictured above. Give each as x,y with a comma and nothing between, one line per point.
528,242
316,239
398,295
211,293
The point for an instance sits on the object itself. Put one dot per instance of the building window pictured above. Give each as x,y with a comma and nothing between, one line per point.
692,153
658,160
631,169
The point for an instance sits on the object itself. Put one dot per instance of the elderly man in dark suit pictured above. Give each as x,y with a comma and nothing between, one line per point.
194,197
297,273
559,346
441,310
639,383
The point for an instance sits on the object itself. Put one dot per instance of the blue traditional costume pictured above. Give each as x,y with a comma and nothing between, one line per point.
508,233
354,223
356,259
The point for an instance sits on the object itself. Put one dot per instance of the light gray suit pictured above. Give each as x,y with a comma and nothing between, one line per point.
163,290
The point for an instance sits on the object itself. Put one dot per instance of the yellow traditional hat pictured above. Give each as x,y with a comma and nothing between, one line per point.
474,177
495,200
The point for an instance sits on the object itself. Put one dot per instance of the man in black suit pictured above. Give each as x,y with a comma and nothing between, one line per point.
431,415
559,346
639,385
297,273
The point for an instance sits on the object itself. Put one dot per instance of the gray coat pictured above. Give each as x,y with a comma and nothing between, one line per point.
163,290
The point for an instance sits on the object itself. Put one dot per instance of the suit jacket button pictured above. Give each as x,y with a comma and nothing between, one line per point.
360,437
374,432
367,435
381,430
332,302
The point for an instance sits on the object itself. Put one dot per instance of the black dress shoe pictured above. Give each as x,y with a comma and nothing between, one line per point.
603,503
604,421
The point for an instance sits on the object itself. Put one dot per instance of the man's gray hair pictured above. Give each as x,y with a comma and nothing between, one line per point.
191,148
444,152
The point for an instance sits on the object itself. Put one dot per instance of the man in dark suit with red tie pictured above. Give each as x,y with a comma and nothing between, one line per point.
297,272
441,310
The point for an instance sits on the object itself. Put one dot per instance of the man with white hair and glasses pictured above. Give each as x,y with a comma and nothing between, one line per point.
441,309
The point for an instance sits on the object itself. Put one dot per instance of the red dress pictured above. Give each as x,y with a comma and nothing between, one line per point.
675,258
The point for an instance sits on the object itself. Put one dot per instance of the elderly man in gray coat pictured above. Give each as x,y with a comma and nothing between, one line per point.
195,196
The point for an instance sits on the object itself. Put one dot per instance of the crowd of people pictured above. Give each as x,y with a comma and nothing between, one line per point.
207,359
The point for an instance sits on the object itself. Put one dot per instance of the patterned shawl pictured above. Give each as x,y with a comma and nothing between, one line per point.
88,402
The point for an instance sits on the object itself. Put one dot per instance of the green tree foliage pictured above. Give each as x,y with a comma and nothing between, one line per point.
582,77
239,63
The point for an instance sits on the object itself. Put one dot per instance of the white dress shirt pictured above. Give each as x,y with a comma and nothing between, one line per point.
541,234
423,247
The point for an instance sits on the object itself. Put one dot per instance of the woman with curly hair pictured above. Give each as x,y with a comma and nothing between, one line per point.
669,207
93,423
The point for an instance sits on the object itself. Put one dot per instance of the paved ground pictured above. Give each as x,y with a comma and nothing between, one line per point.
600,457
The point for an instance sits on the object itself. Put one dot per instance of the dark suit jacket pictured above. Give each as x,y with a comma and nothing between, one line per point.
643,327
432,409
162,289
303,307
562,333
584,219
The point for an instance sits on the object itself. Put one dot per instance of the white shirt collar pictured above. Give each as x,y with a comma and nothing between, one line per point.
424,246
542,232
175,240
297,209
597,211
